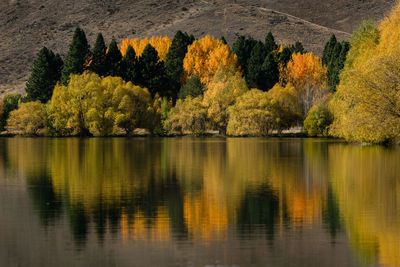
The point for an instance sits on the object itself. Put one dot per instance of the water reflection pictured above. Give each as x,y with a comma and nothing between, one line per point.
205,191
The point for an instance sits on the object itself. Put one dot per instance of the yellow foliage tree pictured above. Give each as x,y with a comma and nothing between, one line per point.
187,117
222,91
161,44
29,118
206,56
366,105
254,113
309,78
98,105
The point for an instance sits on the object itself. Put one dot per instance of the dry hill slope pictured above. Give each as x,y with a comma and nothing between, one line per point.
27,25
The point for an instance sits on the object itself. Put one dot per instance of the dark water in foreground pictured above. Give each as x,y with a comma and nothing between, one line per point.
198,202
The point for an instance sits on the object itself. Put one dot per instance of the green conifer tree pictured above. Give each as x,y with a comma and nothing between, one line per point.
113,60
152,72
77,56
242,47
255,74
98,62
130,65
270,44
327,53
46,72
285,56
192,88
174,60
223,40
271,72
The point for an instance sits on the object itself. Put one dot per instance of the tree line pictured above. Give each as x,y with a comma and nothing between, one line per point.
179,86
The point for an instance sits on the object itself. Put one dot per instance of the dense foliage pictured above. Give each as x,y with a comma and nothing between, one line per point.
189,86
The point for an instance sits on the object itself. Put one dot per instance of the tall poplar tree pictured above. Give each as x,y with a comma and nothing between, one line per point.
77,56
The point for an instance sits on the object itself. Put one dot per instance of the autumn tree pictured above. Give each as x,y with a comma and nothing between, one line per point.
222,91
189,116
174,60
29,118
206,56
98,106
318,120
308,76
253,114
46,72
98,62
77,56
160,44
9,103
366,104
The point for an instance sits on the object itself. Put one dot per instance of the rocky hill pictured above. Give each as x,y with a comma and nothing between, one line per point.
27,25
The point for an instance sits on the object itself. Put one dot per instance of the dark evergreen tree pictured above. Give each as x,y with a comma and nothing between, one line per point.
77,56
130,65
285,56
174,60
255,75
336,64
270,44
192,88
46,72
271,72
298,48
98,62
327,53
242,47
152,72
223,40
113,60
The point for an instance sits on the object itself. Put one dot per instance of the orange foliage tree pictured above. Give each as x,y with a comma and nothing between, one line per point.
309,77
206,56
161,44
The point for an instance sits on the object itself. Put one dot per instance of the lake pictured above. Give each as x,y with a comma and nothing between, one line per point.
198,202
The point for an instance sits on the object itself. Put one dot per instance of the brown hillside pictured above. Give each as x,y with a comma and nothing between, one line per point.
27,25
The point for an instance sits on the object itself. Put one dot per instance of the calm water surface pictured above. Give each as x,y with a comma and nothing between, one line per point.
198,202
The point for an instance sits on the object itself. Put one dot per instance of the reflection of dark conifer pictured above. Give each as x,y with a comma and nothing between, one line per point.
331,215
44,199
260,207
78,223
100,219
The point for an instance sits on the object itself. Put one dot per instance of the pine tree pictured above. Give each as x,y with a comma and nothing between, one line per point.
192,88
271,72
223,40
98,62
113,60
46,72
270,44
174,60
151,71
298,48
285,56
130,66
77,56
327,53
255,75
242,47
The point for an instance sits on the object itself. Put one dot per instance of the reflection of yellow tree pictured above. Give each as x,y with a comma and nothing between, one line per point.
366,182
